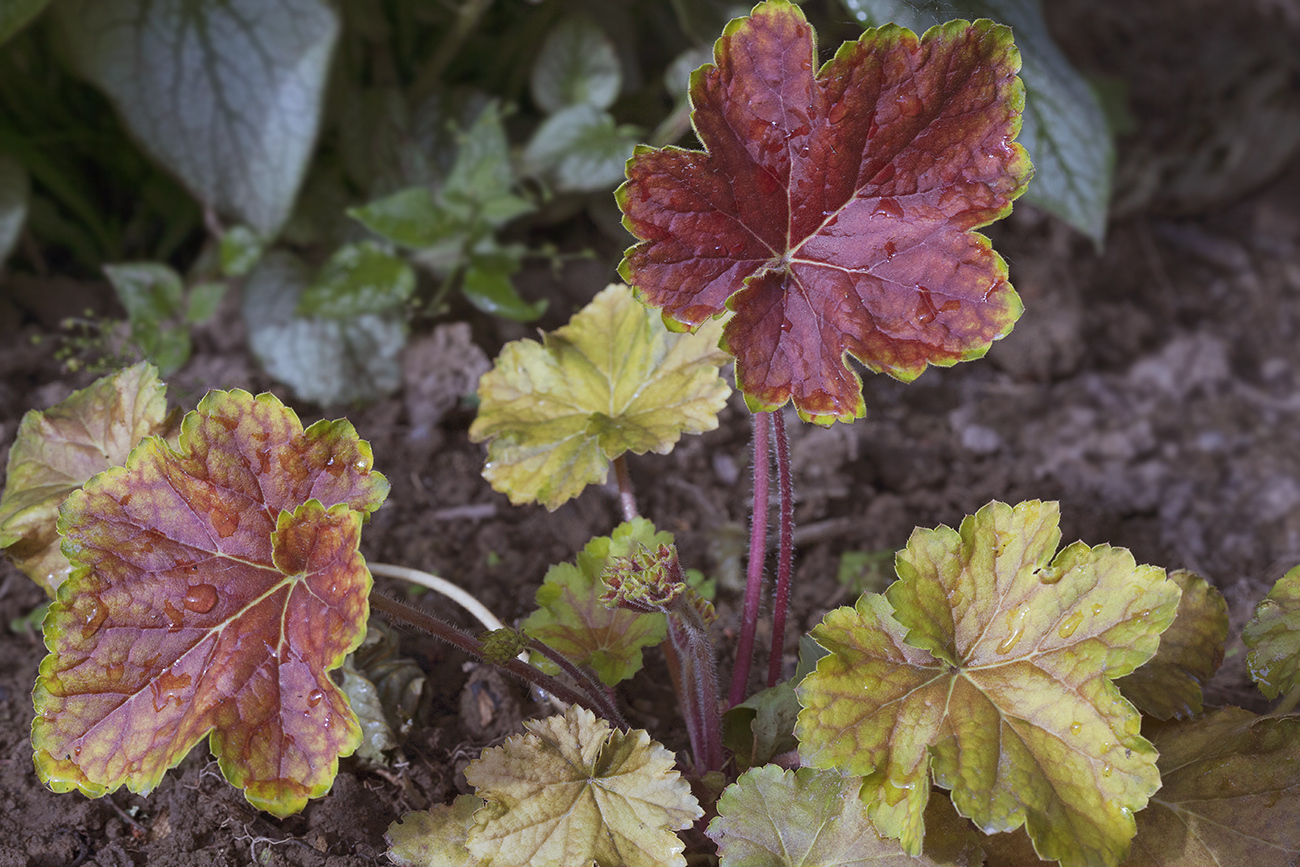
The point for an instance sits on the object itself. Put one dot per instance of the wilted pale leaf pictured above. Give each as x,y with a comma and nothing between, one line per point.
226,95
989,664
613,380
811,818
573,791
434,837
1273,636
1191,650
214,588
1230,794
58,449
571,618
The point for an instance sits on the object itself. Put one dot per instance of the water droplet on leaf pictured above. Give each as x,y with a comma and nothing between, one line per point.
314,697
1070,624
167,686
1096,608
201,598
225,523
174,614
838,111
95,617
1015,630
1076,727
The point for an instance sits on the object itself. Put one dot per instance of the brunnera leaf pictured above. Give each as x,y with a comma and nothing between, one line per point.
214,588
613,380
833,211
1273,637
575,791
989,665
772,817
1168,686
59,448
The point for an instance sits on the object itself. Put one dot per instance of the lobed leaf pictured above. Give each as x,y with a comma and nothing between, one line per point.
989,664
435,837
573,791
215,586
225,95
1065,131
1230,793
772,817
571,618
613,380
1273,637
58,449
833,211
1168,686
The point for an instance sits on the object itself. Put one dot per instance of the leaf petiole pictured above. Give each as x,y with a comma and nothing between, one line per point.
757,554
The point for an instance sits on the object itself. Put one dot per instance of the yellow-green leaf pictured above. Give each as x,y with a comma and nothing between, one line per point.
434,837
1191,650
59,448
573,791
1273,637
989,665
613,380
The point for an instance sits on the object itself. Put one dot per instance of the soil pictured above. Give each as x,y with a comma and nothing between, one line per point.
1152,387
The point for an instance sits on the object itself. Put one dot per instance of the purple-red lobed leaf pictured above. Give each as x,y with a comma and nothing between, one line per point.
213,589
833,211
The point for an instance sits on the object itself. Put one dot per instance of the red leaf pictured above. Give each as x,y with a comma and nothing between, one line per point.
214,587
833,212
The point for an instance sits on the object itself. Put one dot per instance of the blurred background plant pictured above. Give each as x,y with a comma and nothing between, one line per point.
360,169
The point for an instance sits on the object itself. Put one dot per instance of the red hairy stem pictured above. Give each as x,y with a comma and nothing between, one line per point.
459,638
626,497
589,683
785,554
757,553
698,676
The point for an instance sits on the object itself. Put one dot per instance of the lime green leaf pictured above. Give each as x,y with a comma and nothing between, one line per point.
1191,650
435,837
15,15
571,618
573,791
581,149
1273,637
203,301
813,818
358,279
576,66
410,218
150,291
1230,793
58,449
488,287
326,361
226,95
13,200
613,380
1065,129
214,588
480,184
239,251
989,663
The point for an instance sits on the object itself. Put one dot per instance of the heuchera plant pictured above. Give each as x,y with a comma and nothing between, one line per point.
214,582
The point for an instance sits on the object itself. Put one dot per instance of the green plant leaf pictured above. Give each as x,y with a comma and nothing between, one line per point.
571,618
58,449
15,15
1191,651
575,791
613,380
577,65
772,817
761,727
1230,793
1273,637
1065,128
358,279
225,95
13,203
239,251
989,664
376,734
214,588
488,287
480,186
581,150
410,218
326,361
435,837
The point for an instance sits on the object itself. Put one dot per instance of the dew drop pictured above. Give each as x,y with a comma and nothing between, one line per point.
201,598
888,207
1076,727
838,111
1051,575
225,523
1106,769
1071,624
174,614
924,312
167,686
896,791
1015,630
890,250
314,697
908,104
95,617
1096,608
